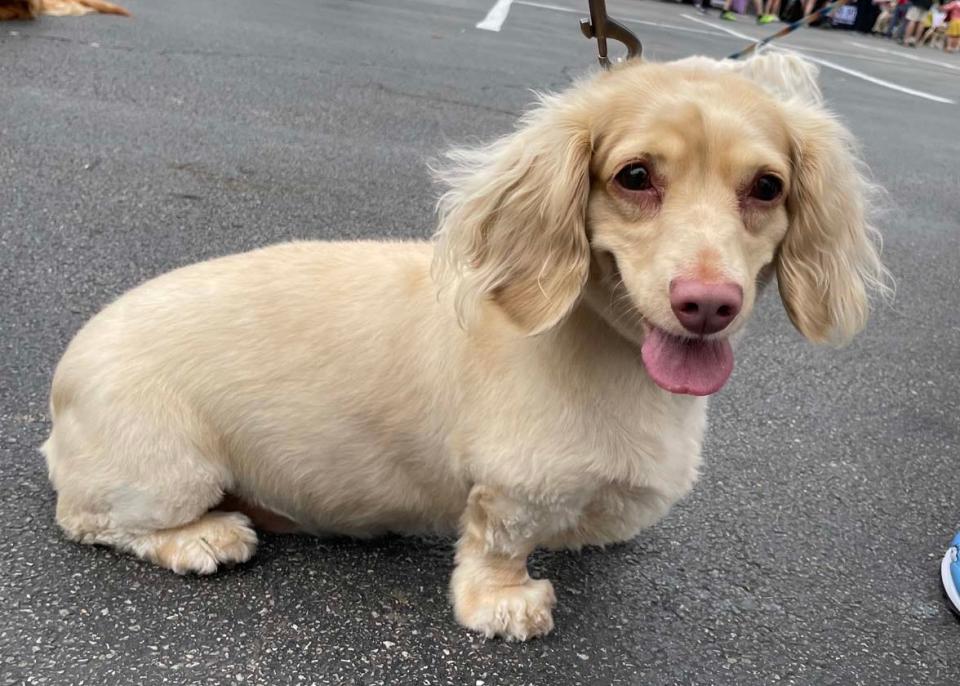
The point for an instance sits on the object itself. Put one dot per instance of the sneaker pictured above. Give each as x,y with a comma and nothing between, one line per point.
766,19
950,573
727,15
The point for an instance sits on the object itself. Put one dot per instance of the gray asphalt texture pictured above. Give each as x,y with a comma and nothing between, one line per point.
809,551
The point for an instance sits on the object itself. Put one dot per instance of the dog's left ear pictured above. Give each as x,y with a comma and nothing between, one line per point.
828,262
512,224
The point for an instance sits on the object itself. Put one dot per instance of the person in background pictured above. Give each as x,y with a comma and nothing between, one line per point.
811,6
953,25
886,8
896,26
728,15
915,13
773,10
933,24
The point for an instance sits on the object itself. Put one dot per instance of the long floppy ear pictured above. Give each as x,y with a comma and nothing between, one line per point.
512,222
828,263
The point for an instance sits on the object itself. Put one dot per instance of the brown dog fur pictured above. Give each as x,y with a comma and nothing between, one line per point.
30,9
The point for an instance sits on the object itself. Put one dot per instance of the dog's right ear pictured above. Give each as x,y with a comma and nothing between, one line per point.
512,222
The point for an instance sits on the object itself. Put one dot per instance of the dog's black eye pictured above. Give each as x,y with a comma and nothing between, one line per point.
767,187
634,177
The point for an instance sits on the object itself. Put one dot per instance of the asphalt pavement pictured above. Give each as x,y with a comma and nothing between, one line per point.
807,554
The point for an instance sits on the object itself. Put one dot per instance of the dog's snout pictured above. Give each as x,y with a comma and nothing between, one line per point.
705,308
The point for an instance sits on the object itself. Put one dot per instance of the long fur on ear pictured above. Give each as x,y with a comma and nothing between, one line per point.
828,263
784,74
512,222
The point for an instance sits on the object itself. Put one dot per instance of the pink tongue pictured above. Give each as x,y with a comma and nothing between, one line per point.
679,365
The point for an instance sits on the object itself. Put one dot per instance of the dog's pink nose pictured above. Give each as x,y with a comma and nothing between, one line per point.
705,308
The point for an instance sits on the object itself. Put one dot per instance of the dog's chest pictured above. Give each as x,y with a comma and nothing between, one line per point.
641,474
656,446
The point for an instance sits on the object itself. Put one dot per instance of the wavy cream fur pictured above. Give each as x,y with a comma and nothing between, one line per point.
330,383
512,222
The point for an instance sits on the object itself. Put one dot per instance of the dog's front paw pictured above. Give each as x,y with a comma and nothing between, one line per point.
515,613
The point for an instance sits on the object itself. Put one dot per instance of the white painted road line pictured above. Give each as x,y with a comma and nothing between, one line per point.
880,82
496,16
620,17
837,67
905,55
856,55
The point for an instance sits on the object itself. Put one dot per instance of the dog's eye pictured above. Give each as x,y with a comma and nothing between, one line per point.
634,177
766,188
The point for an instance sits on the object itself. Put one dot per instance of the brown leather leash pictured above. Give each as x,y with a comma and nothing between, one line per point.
602,27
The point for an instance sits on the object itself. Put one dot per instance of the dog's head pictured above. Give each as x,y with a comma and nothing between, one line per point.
664,197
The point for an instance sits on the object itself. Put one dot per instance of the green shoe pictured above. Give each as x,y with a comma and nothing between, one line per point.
727,15
766,19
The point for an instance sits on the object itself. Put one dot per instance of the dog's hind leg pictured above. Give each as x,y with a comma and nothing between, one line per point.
201,546
145,491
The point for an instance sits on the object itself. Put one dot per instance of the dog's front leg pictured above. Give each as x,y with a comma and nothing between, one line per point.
490,588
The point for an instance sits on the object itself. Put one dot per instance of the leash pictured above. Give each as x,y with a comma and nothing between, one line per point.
789,28
602,27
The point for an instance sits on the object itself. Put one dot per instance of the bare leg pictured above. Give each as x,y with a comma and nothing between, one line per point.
918,31
908,37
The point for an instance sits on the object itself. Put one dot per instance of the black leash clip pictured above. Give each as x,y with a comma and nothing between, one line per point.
602,27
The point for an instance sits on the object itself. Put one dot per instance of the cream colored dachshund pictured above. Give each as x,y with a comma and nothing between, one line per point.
535,376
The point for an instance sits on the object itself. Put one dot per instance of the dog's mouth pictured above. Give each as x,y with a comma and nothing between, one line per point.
693,366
